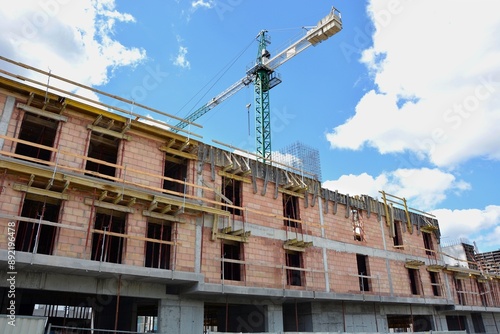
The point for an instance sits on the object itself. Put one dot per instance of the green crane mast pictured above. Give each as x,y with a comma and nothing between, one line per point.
265,79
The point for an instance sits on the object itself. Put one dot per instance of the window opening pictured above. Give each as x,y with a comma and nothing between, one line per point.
147,318
157,254
147,324
428,245
482,293
293,277
398,235
231,188
357,226
477,323
105,247
414,276
174,168
105,148
213,315
291,210
38,130
436,286
362,261
460,291
37,237
231,270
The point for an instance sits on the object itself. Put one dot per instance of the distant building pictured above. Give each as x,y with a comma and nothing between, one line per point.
489,262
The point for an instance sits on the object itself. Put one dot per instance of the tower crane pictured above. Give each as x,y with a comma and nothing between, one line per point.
264,77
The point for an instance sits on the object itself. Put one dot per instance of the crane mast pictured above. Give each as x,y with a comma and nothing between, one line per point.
264,77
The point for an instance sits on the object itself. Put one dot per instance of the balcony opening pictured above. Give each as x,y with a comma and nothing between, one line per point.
414,275
364,283
402,323
37,237
398,235
231,270
291,210
158,254
38,130
232,189
293,277
456,323
436,285
297,317
105,247
399,323
105,148
78,316
175,168
233,318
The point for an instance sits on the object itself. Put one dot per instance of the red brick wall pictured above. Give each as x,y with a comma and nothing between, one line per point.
73,142
134,251
71,243
185,250
143,155
9,205
266,258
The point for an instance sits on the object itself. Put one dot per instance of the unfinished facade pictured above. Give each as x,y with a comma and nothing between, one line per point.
128,226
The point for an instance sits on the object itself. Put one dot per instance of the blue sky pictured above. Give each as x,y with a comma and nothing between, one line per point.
404,99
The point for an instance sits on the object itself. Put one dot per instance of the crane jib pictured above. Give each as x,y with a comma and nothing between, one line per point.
326,28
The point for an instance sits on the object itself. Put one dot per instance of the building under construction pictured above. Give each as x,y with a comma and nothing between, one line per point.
115,223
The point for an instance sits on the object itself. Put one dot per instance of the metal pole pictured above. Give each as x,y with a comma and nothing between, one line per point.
118,301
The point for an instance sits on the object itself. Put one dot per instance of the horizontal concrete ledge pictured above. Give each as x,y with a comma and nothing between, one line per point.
433,332
269,293
28,262
466,308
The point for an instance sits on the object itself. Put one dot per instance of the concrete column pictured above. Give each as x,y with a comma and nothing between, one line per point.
325,257
5,117
180,316
198,243
274,318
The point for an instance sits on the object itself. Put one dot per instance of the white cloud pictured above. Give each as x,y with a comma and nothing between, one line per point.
362,184
150,120
423,188
181,59
479,225
202,4
74,40
436,70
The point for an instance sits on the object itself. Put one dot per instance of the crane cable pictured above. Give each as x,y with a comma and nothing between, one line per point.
220,74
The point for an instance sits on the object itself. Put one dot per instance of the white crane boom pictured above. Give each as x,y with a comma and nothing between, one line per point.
326,27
